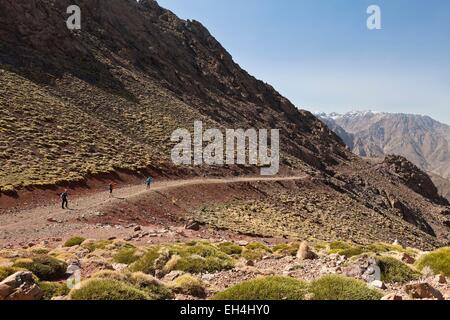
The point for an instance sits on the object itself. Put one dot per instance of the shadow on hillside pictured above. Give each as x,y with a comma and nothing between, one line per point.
45,71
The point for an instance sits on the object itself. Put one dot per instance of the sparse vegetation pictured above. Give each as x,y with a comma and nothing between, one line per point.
351,250
393,270
334,287
44,267
438,261
74,241
269,288
194,257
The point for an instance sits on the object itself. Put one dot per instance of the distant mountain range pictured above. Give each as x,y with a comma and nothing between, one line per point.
421,139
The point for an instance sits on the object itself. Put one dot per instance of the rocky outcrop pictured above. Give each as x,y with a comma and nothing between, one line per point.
413,177
20,286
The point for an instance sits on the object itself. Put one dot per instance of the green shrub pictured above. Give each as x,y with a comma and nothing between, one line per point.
255,251
438,261
393,270
53,289
189,285
334,287
107,289
93,245
194,257
126,256
146,263
230,248
289,249
154,288
269,288
44,267
40,250
74,241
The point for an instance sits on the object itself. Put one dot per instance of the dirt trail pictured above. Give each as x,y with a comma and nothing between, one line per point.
24,225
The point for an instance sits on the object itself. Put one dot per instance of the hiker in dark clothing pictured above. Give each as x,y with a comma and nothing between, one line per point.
149,181
64,199
111,188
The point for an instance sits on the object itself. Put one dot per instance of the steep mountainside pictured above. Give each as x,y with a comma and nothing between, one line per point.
107,97
420,139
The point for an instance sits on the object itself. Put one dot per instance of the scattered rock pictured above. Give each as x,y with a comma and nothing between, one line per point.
242,243
172,275
406,258
192,225
378,284
119,266
392,296
441,279
20,286
305,252
423,291
137,228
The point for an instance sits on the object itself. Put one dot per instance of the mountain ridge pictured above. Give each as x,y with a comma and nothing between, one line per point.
421,139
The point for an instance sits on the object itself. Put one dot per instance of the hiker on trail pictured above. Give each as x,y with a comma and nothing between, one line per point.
111,188
64,200
149,181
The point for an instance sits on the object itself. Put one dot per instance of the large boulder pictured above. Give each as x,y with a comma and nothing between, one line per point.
305,253
423,291
20,286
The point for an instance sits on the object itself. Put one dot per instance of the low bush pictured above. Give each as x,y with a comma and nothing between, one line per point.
154,288
107,289
438,261
53,289
126,256
74,241
268,288
393,270
334,287
44,267
255,251
189,285
230,248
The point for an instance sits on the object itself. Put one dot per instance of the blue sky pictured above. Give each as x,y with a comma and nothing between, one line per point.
320,54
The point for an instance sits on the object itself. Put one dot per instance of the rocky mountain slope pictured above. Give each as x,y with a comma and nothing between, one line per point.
420,139
109,96
106,98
